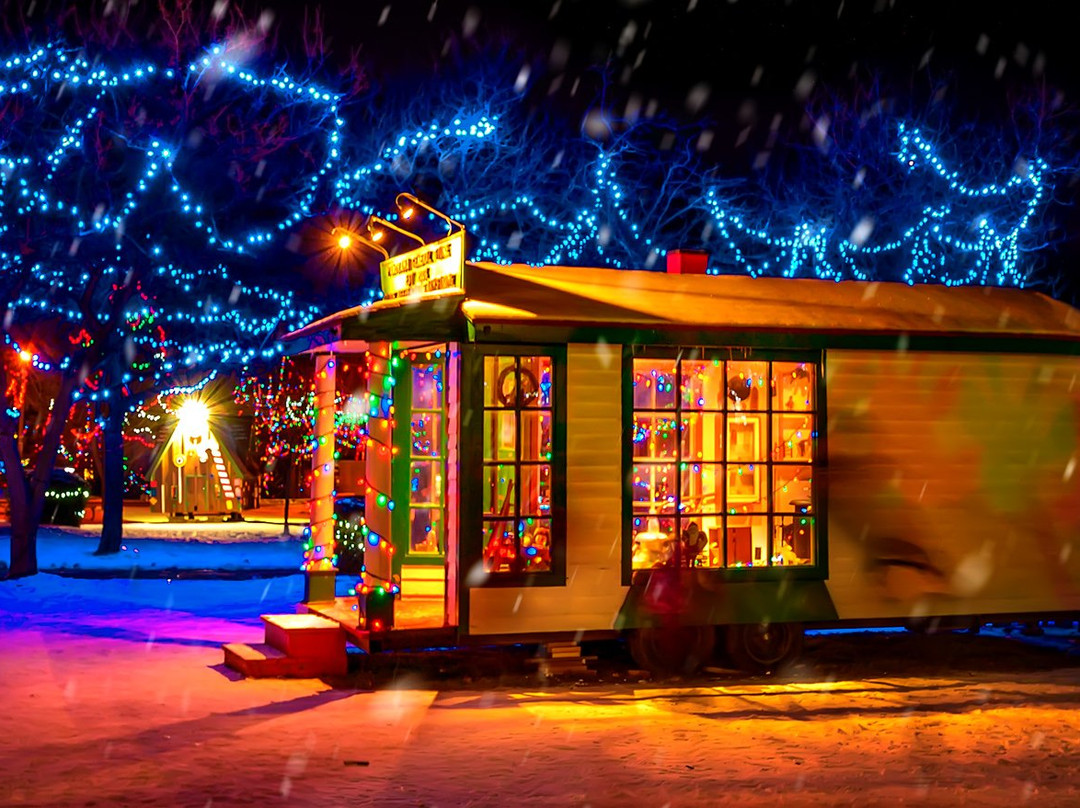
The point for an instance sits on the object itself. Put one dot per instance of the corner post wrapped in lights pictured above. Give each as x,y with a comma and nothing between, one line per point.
320,557
377,588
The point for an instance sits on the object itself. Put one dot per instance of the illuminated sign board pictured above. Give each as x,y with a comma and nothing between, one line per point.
435,268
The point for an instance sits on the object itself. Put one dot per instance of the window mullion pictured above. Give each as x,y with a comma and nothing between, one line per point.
678,450
724,467
770,510
517,457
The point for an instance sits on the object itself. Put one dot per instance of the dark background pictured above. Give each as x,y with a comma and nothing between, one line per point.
992,81
997,78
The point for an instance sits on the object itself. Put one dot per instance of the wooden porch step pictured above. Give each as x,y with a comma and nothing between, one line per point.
260,661
342,611
304,635
297,645
426,572
422,589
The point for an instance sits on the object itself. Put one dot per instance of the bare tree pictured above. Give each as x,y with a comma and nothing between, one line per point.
137,199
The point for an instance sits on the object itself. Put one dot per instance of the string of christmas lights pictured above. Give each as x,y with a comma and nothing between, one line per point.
991,254
951,242
320,552
54,68
212,317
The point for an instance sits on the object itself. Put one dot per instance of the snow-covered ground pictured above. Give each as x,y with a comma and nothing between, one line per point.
112,693
150,547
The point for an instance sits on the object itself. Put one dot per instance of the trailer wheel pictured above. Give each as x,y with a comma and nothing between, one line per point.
763,647
672,650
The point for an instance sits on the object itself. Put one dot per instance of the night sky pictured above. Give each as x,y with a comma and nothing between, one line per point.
994,80
750,72
707,59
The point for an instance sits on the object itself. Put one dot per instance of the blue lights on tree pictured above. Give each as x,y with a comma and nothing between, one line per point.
148,209
606,206
139,208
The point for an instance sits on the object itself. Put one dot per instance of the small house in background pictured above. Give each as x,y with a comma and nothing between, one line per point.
199,468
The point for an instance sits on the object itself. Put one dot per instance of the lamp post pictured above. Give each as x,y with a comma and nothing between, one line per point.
384,223
407,210
345,239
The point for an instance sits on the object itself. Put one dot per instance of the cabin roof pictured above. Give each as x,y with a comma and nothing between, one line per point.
578,297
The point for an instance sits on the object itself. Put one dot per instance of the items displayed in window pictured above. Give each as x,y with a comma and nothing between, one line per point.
517,479
722,455
427,458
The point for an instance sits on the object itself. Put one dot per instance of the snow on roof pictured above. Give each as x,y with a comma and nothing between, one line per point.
737,302
642,299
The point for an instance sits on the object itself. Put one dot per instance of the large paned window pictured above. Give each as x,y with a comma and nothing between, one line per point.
723,458
517,464
427,454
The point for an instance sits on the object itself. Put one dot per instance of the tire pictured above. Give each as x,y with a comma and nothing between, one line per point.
764,647
672,650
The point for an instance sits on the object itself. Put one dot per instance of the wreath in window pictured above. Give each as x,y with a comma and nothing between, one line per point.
517,389
740,387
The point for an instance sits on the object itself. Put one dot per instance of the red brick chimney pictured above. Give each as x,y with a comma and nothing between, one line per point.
687,262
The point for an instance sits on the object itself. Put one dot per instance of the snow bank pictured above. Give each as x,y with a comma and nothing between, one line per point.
230,546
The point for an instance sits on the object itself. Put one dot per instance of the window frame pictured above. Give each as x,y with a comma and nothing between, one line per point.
401,474
818,570
473,466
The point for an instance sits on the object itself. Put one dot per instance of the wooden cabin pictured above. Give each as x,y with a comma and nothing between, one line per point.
574,452
200,471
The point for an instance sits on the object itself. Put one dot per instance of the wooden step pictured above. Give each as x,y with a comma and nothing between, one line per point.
560,658
426,572
428,590
264,661
304,635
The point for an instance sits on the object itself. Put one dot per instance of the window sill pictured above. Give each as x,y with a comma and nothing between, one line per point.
507,580
802,572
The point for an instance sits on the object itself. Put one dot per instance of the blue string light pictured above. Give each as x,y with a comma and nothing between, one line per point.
53,69
972,233
206,326
976,236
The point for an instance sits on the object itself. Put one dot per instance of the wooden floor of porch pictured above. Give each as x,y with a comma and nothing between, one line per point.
417,622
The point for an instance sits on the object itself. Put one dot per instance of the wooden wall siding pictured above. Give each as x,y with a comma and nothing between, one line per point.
594,592
953,483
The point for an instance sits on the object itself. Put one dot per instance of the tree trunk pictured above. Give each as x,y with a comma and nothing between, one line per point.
26,495
288,492
23,556
112,494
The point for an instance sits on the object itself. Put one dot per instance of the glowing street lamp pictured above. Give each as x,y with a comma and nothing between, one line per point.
376,234
193,417
193,431
407,210
345,239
